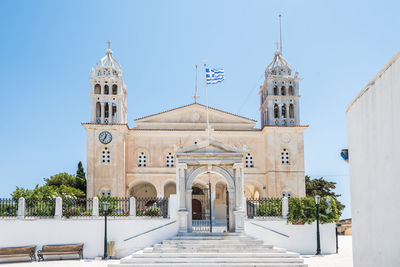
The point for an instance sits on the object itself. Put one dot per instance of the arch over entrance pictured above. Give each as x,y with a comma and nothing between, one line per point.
210,157
143,190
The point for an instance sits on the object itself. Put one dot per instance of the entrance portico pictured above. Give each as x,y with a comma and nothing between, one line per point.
216,158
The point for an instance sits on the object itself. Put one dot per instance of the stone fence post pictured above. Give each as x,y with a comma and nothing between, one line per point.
132,207
21,208
173,206
58,211
95,212
285,207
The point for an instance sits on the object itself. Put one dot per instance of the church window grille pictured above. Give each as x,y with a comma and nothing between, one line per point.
97,89
106,156
283,90
287,194
291,111
291,91
106,89
170,160
285,156
276,111
142,159
105,192
249,161
114,89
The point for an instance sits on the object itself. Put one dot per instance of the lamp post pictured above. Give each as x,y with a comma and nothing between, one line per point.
317,201
105,208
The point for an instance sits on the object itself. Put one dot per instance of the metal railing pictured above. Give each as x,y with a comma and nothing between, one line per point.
117,206
72,207
40,207
264,207
152,207
8,207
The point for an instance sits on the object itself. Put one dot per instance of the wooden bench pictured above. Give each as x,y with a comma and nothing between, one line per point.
13,252
60,250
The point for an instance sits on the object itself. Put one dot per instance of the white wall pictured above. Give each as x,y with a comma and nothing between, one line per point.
90,232
302,238
373,123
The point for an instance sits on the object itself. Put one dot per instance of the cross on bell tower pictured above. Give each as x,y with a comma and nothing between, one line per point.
107,91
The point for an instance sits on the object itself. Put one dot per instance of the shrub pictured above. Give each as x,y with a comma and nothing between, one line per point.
305,210
271,207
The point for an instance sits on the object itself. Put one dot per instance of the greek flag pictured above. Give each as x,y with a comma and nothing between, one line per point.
214,75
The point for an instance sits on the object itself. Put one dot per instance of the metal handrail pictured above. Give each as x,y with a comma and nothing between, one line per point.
276,232
148,231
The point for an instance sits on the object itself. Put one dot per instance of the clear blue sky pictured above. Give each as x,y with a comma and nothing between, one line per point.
49,47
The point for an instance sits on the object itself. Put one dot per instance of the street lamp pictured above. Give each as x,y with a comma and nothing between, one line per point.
317,201
105,209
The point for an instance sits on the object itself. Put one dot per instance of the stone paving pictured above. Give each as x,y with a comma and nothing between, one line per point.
343,259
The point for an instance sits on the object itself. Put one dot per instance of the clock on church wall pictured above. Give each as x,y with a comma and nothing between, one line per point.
105,137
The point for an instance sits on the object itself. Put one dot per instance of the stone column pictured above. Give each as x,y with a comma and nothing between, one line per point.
21,208
110,117
95,212
58,211
182,213
285,207
132,207
239,212
189,209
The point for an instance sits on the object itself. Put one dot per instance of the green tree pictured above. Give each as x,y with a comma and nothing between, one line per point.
59,185
320,186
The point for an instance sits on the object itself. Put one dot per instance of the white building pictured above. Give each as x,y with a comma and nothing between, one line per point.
373,132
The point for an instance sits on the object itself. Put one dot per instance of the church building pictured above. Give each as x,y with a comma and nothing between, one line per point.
147,159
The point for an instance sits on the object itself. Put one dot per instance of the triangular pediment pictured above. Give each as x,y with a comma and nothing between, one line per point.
194,116
209,147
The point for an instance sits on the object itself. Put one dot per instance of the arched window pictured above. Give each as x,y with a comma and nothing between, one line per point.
275,90
169,160
142,159
291,91
276,111
106,110
98,110
285,156
284,111
97,89
106,90
114,89
291,111
283,90
106,156
114,110
249,161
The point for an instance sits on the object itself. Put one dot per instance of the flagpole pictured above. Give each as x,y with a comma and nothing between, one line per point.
208,123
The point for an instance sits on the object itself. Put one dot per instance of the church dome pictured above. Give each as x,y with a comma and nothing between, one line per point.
108,66
278,66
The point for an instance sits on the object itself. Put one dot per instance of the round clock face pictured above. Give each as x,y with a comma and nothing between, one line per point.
105,137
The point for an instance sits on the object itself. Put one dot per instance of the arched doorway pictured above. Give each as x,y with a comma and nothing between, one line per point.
217,159
169,189
197,211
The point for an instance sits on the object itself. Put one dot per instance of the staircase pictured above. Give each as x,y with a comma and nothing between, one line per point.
212,249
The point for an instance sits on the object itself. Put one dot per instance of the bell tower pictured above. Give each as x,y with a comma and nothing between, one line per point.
280,98
107,91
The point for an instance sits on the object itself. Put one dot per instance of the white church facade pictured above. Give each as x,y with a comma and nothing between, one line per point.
171,152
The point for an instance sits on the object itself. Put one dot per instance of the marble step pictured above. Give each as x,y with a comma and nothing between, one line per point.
210,265
212,237
213,242
214,250
194,246
246,260
215,255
